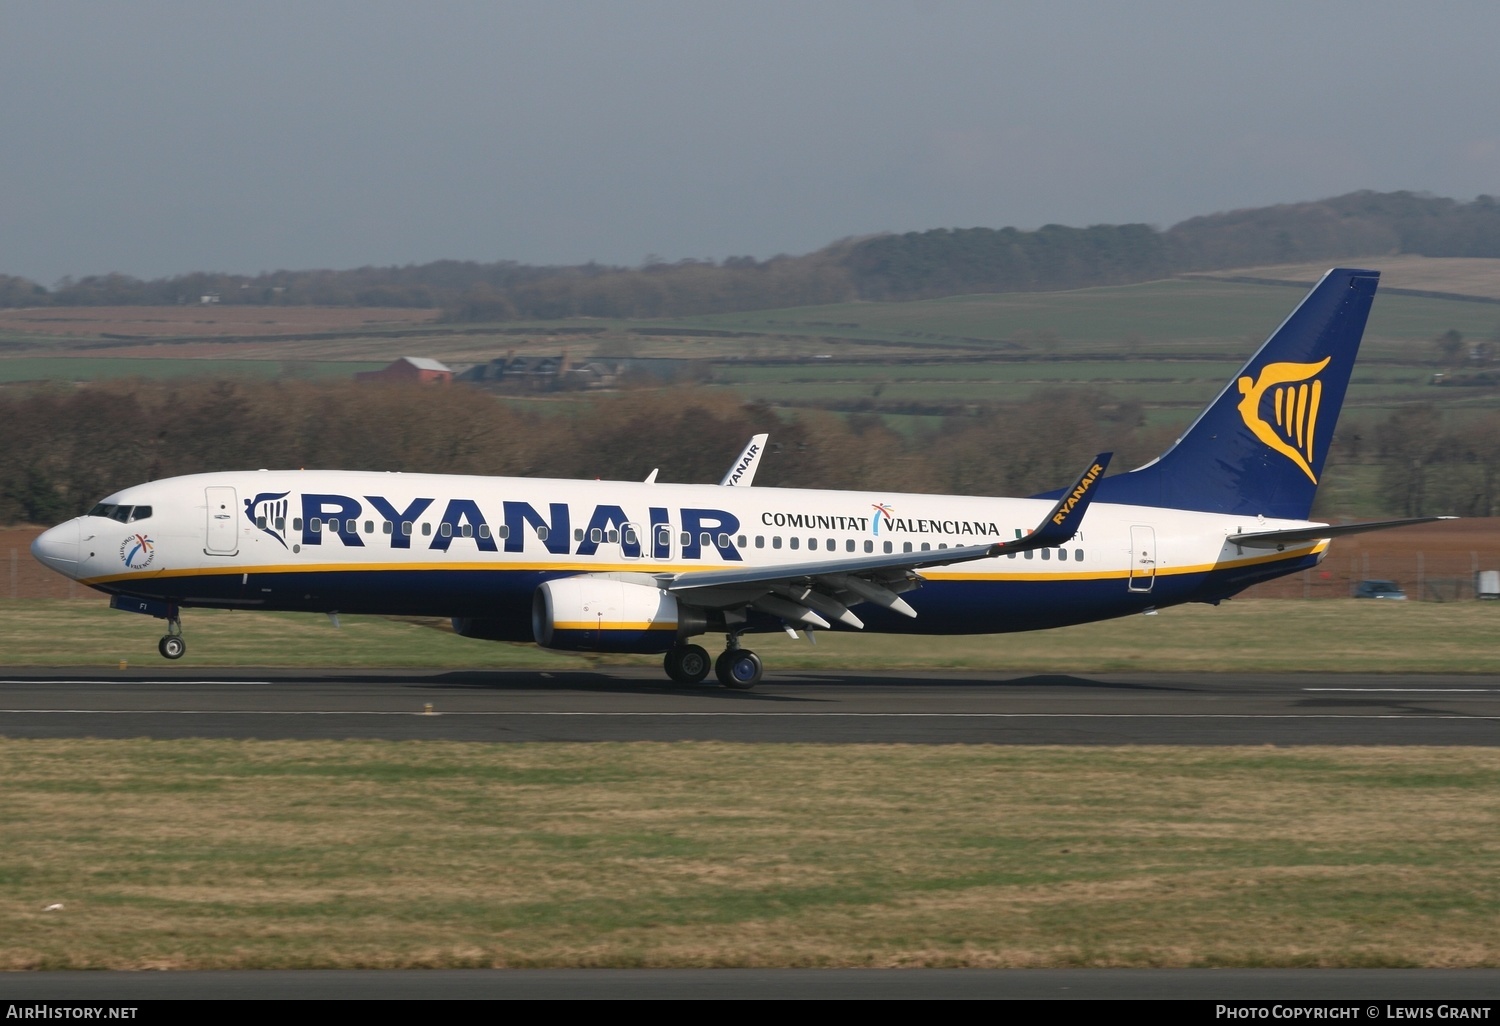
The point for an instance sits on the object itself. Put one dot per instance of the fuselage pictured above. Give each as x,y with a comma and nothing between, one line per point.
479,547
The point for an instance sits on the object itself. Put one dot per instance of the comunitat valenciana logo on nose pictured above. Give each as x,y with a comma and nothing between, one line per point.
1292,391
137,551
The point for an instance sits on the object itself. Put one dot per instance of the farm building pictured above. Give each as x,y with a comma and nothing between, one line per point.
411,368
545,373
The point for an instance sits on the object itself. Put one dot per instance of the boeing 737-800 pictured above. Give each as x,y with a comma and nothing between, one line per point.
609,566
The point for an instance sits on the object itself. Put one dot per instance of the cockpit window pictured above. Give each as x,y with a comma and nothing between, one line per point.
124,514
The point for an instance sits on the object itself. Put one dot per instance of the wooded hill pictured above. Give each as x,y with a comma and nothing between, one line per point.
914,265
65,446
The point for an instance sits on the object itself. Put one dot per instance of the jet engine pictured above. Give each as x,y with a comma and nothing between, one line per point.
606,614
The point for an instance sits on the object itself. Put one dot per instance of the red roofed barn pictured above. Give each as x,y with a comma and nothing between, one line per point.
410,368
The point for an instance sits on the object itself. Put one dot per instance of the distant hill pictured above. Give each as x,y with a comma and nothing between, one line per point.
913,265
949,262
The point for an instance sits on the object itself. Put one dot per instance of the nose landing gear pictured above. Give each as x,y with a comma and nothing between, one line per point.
172,646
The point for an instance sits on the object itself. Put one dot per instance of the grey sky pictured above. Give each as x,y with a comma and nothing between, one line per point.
156,137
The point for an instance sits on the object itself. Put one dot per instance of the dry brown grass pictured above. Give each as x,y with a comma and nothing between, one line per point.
208,854
180,321
1465,276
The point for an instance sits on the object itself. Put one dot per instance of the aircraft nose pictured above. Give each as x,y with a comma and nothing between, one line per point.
57,548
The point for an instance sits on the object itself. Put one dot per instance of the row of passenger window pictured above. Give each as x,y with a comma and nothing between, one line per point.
612,536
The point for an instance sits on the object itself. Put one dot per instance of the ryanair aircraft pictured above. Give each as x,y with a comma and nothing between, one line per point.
607,566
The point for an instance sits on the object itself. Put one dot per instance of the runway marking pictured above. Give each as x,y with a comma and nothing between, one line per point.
121,680
752,714
1412,691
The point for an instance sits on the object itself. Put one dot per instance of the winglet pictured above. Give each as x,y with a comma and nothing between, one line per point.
742,470
1062,523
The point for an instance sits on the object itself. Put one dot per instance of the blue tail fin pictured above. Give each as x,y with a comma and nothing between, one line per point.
1259,448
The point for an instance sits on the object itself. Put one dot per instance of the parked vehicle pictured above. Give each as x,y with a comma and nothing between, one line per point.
1379,590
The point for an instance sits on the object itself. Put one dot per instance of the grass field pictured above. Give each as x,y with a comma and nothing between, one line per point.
1170,345
100,368
1469,276
1168,319
225,854
1185,396
1332,635
1163,318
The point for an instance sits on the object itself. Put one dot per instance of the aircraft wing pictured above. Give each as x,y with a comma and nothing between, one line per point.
1291,536
809,592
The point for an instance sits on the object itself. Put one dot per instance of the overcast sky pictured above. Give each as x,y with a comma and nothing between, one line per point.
155,137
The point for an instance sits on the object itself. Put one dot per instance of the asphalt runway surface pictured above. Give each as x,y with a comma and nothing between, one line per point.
638,704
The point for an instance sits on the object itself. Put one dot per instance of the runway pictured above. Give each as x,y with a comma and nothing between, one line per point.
637,704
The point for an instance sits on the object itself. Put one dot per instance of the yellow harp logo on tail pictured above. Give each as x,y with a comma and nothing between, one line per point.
1294,393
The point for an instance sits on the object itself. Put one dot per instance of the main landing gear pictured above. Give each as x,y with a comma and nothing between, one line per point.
687,664
171,646
737,668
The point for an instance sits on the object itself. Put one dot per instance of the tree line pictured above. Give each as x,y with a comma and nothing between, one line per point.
68,447
913,265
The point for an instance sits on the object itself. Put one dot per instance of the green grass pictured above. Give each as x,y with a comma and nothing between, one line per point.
1156,383
1324,635
1028,372
1194,393
1164,316
239,854
100,368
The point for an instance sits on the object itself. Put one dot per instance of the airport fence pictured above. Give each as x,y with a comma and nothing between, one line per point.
1442,576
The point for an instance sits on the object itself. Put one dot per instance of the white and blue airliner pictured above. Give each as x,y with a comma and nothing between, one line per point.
611,566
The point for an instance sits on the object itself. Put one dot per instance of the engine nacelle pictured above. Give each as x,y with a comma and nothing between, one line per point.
605,614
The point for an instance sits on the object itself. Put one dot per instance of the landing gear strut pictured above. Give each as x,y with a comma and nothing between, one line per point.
738,668
171,646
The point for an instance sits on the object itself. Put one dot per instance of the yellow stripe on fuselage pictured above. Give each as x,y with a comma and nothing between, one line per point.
1106,575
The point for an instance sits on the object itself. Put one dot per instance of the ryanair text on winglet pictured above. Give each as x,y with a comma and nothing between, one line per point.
1084,484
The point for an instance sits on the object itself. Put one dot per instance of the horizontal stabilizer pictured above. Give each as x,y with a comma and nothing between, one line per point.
1280,539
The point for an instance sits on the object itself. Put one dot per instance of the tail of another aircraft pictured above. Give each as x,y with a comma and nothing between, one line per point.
1260,447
